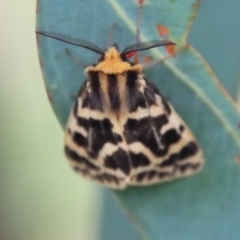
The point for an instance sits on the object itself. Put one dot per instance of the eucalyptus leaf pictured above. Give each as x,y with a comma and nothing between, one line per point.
204,206
214,33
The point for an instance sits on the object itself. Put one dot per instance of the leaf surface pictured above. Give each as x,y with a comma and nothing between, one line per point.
204,206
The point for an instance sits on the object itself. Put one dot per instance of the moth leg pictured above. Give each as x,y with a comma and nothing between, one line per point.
140,9
76,59
148,65
110,35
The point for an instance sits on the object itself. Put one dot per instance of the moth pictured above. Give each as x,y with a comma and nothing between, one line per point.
121,130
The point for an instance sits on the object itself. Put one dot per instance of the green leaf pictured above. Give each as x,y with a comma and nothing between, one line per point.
204,206
216,37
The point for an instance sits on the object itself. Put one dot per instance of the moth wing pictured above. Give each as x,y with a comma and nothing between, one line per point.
94,144
161,146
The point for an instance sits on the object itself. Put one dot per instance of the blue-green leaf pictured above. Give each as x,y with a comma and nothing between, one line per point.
204,206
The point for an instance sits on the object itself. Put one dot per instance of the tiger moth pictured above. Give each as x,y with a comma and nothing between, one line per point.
121,131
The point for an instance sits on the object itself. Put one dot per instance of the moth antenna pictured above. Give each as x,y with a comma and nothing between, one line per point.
146,45
72,41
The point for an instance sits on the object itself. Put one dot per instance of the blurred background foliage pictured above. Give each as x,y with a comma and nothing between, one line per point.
40,196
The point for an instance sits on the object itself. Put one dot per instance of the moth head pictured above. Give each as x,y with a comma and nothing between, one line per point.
111,61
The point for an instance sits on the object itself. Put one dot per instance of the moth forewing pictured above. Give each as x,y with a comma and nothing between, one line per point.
163,148
121,130
78,151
